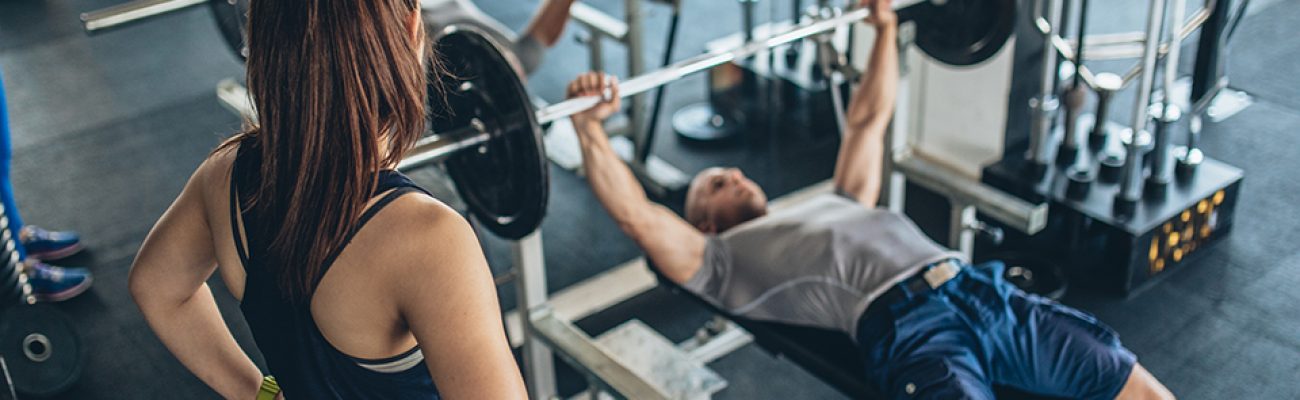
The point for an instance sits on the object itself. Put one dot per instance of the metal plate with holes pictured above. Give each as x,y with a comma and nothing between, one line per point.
232,17
962,32
42,350
504,181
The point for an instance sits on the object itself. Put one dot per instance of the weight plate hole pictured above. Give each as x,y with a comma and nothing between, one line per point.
36,347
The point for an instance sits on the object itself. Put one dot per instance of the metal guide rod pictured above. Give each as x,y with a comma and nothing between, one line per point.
1162,153
1131,183
1044,104
135,11
680,69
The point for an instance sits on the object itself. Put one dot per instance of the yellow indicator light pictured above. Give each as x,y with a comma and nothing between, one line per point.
1201,206
1178,255
1187,215
1157,266
1205,231
1218,198
1169,227
1173,239
1187,234
1155,249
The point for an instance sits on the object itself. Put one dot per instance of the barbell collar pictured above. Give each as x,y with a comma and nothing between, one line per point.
135,11
681,69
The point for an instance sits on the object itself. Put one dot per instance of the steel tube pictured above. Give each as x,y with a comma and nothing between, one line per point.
1161,169
1044,106
135,11
1131,184
435,148
993,203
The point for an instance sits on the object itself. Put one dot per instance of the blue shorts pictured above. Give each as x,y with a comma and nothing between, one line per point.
976,331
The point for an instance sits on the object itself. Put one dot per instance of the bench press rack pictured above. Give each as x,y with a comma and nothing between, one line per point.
820,352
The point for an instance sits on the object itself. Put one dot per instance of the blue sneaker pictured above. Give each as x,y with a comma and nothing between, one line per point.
51,283
46,245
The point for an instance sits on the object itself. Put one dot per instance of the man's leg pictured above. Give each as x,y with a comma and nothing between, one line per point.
548,23
1142,385
923,348
542,33
1048,348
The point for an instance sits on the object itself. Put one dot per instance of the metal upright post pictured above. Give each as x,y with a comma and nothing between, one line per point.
1073,98
1131,179
1167,113
1044,106
530,290
636,67
894,190
961,228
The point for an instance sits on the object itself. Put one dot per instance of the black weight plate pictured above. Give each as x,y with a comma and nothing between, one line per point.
232,18
962,32
42,350
505,181
1034,273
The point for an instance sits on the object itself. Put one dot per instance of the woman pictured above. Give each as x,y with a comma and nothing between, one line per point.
355,283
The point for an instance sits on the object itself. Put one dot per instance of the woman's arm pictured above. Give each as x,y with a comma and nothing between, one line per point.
446,295
168,282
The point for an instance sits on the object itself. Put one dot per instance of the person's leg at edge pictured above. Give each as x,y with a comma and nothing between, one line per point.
6,189
49,283
1141,385
548,24
542,33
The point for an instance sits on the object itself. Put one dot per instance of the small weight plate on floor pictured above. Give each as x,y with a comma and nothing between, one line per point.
232,20
42,349
962,32
505,180
1033,274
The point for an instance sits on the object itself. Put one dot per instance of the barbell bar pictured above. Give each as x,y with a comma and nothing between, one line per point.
487,135
435,148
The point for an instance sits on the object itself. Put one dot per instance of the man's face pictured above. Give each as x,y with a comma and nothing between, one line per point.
720,198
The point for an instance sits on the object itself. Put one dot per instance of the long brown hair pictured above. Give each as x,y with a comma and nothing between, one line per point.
340,93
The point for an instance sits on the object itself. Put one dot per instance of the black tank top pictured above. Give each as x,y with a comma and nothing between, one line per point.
303,362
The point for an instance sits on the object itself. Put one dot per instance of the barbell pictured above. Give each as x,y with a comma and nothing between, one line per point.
488,134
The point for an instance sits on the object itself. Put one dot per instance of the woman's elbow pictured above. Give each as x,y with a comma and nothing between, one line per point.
138,285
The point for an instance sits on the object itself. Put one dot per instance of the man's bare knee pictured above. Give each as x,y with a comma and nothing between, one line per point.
1141,385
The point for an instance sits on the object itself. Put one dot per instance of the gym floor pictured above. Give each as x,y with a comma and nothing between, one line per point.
107,129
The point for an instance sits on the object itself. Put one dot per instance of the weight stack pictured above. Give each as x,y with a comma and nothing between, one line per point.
1114,251
14,288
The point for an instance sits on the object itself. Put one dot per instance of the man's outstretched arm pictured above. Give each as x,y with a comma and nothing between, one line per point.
674,246
862,148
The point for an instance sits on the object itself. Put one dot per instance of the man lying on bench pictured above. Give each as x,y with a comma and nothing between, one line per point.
927,323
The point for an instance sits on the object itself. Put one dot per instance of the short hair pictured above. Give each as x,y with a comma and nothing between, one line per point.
695,215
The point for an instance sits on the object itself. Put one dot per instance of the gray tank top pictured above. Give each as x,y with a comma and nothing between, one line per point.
819,263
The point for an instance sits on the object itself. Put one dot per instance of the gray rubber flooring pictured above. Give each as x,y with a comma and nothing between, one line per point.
107,129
